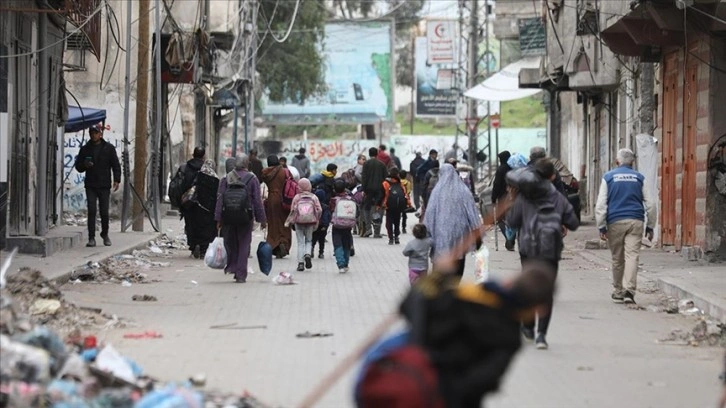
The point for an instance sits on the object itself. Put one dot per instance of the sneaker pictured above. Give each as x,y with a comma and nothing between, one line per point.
352,251
346,269
321,256
308,261
390,242
404,230
628,297
527,333
197,252
106,240
300,267
91,242
377,236
342,270
618,296
367,234
396,241
541,342
509,245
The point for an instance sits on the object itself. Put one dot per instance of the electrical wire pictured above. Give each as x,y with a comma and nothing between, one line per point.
720,20
289,29
62,40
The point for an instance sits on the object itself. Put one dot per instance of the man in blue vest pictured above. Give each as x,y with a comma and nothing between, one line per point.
623,207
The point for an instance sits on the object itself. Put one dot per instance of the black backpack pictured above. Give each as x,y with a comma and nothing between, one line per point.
176,187
396,196
544,240
236,203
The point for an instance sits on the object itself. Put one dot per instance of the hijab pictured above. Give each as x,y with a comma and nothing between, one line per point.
451,212
208,168
304,185
273,160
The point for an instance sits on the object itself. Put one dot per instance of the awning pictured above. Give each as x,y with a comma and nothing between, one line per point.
80,118
504,85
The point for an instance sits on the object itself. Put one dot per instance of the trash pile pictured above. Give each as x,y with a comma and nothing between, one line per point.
129,268
36,300
706,332
41,368
79,218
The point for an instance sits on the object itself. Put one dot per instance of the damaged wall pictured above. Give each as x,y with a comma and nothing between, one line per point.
715,231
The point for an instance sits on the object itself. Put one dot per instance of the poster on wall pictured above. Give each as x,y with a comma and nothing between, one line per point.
358,77
435,94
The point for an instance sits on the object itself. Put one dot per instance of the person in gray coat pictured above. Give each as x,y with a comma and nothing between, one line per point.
301,163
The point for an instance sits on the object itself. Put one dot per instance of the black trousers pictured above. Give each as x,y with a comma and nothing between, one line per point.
102,196
319,238
417,193
543,320
393,223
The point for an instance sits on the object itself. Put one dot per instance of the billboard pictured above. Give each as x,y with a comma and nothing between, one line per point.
435,84
358,76
441,44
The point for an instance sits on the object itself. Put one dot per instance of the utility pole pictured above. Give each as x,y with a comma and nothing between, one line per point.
472,60
156,157
127,98
142,102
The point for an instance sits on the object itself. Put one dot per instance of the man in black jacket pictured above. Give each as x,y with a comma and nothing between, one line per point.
499,191
97,159
374,172
417,181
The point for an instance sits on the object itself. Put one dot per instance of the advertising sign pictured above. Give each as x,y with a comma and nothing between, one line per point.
441,46
434,82
358,77
532,37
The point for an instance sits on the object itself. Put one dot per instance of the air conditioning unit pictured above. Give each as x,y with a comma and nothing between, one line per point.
681,4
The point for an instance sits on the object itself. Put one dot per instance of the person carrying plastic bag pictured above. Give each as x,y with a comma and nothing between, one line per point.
216,255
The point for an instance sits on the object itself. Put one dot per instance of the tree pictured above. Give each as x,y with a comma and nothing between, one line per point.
293,69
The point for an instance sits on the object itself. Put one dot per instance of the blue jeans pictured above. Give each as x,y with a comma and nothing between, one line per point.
342,242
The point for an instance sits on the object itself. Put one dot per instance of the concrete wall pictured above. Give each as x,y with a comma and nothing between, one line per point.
715,228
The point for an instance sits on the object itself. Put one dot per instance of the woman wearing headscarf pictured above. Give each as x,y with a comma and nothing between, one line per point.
198,210
278,235
451,214
238,238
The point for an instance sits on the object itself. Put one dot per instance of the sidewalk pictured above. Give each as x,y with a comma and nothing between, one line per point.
58,267
702,282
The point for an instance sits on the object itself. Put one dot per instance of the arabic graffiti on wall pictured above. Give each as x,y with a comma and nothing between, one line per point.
74,192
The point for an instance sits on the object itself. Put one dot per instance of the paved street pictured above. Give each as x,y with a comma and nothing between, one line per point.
600,355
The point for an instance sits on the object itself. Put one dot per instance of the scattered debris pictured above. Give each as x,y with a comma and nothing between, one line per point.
706,332
199,380
307,335
585,368
45,306
149,334
144,298
283,278
596,244
235,326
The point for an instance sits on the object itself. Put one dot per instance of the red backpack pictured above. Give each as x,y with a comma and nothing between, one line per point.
402,377
289,191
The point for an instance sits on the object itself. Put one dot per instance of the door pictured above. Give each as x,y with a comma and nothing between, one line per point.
688,188
668,152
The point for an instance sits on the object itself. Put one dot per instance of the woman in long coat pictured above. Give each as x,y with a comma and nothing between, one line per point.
278,236
238,238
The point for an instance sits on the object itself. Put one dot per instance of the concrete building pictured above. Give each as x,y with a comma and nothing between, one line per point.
686,38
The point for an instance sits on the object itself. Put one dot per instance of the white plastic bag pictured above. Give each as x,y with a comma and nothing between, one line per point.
216,256
283,278
112,361
482,264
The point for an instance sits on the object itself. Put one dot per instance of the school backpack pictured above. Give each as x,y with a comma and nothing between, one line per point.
344,213
396,196
289,191
544,237
176,187
236,203
305,211
398,374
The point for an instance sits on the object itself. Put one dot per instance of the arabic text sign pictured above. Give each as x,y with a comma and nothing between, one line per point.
441,41
434,96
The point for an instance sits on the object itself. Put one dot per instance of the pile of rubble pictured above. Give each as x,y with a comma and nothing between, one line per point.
38,301
41,367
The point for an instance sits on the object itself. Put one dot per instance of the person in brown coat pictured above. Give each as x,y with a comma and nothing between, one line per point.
278,235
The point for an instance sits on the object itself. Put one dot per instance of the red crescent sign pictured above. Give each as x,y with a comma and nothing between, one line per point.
440,30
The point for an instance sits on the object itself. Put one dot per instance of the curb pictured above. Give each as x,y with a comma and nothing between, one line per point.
681,290
66,276
672,286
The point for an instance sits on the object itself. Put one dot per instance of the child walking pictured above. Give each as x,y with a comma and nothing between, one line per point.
305,215
395,202
418,252
407,188
344,217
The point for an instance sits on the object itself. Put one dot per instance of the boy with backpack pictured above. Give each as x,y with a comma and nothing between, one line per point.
344,215
542,215
323,188
305,215
395,202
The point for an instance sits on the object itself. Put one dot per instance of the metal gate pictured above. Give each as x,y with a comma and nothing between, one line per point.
19,210
688,188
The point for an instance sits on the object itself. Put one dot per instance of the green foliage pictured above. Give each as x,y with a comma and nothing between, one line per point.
524,113
292,70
